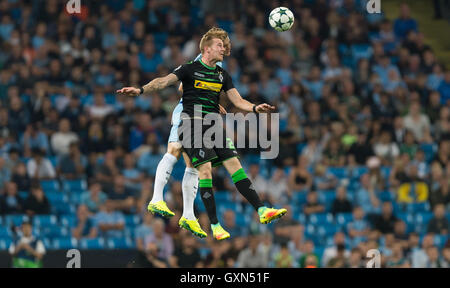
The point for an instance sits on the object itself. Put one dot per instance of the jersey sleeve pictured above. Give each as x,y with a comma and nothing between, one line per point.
181,72
228,82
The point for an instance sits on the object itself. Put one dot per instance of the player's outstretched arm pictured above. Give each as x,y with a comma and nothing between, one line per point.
154,85
243,104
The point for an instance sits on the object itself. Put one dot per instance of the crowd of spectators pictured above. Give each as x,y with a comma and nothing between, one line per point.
364,109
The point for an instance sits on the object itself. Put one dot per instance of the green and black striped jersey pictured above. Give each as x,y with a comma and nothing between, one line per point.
202,85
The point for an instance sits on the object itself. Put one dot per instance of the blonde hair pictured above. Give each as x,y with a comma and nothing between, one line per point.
215,33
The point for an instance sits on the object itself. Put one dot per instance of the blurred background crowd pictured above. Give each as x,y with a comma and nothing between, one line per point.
364,109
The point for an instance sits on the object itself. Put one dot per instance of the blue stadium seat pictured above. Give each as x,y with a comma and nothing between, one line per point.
222,196
318,250
65,243
120,243
357,172
54,160
237,208
440,240
178,171
75,198
160,40
63,208
310,230
5,243
54,232
423,218
15,220
320,218
386,196
430,151
299,198
132,220
74,185
44,220
68,220
56,196
49,185
339,172
344,218
96,243
418,207
48,244
4,232
327,230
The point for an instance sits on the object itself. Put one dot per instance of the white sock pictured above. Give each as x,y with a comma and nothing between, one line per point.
163,172
189,187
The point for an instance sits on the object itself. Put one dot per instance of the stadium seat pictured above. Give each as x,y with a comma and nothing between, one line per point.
48,244
65,243
75,198
53,232
222,196
338,172
326,230
132,220
23,194
49,185
62,208
320,218
15,220
5,243
120,243
68,220
96,243
440,240
299,198
421,221
344,218
357,172
430,151
74,185
56,196
4,232
44,220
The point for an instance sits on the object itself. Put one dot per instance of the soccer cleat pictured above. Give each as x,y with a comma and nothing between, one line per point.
193,226
219,233
160,208
270,214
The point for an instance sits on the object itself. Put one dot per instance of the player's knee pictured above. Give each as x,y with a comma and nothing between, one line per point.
174,149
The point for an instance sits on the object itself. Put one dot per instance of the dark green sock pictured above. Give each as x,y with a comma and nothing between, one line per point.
245,187
208,199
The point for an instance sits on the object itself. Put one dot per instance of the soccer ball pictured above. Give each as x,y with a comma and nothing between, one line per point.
281,19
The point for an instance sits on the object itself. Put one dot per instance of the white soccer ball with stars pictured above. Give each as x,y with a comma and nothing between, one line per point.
281,19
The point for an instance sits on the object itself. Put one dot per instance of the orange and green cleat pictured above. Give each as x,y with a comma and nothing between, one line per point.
267,215
219,233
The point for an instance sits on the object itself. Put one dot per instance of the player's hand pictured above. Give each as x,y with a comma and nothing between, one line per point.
264,108
129,91
222,110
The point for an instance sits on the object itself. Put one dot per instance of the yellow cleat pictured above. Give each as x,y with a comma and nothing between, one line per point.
193,226
219,233
271,214
160,208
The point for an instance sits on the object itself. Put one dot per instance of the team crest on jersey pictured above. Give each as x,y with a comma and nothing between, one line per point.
208,85
220,77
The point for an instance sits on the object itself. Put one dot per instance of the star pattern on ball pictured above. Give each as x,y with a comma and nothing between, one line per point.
282,11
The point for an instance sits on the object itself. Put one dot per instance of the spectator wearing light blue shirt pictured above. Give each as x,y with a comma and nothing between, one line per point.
148,59
93,198
367,198
110,222
359,228
143,230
